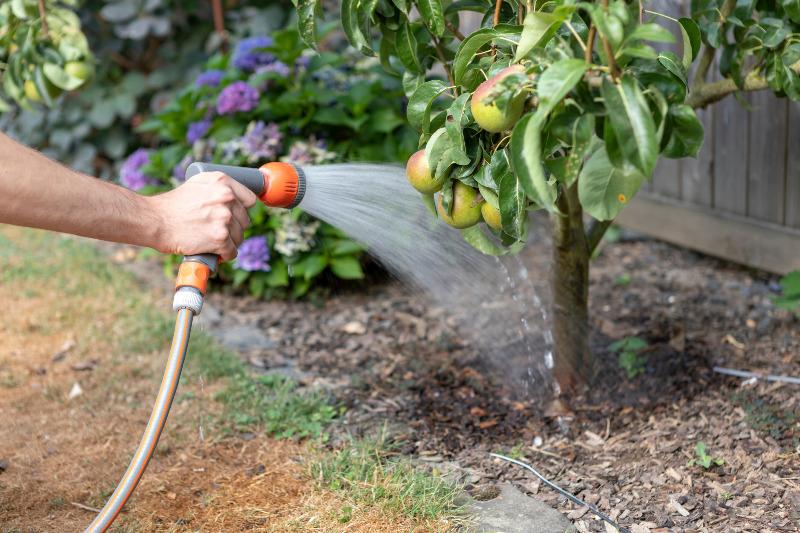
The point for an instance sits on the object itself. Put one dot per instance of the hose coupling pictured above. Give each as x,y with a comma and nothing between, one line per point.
188,298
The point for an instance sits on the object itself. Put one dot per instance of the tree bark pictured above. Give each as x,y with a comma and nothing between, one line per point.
570,283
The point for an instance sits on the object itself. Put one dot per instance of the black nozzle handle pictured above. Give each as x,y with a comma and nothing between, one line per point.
252,178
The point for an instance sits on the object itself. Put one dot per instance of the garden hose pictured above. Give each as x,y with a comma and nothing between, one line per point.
275,184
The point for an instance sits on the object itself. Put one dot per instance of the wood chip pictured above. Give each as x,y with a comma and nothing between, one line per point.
678,507
486,424
62,352
354,328
75,391
671,472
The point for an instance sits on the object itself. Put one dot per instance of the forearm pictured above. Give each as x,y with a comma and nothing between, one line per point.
40,193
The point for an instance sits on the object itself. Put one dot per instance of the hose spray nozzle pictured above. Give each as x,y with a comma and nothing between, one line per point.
276,184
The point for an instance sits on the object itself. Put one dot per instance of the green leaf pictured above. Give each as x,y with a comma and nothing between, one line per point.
433,14
60,78
310,266
41,85
604,189
608,25
538,29
478,239
632,123
692,40
557,81
350,16
347,267
346,247
474,42
406,45
307,20
278,275
419,105
671,62
686,130
526,157
513,204
651,32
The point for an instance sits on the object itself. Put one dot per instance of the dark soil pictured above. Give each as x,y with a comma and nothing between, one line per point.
623,444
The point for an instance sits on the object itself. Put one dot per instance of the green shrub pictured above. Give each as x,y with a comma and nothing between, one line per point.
271,99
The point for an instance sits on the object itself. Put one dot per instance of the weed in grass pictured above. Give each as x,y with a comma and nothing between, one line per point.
703,458
629,358
275,403
370,472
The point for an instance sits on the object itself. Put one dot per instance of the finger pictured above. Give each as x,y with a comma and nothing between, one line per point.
236,232
228,251
243,194
207,177
240,215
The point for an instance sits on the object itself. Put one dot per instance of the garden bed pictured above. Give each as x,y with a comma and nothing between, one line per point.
392,359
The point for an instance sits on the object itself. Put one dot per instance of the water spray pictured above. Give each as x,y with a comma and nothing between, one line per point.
276,185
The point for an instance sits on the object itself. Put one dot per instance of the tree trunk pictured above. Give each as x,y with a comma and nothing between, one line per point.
570,286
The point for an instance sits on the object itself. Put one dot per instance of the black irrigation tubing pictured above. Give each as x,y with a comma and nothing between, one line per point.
561,491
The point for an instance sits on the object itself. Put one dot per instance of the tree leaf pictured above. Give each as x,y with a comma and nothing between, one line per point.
632,122
686,133
604,189
513,203
419,105
538,29
557,81
350,16
432,13
526,157
474,42
671,62
406,44
307,20
651,32
477,238
59,77
692,40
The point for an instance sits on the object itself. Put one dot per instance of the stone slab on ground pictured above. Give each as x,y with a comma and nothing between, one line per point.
513,512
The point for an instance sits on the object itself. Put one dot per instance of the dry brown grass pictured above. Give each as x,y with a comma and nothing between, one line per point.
61,451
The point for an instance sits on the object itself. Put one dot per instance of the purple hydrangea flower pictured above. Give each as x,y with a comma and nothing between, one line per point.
131,175
253,255
179,170
197,130
302,62
261,141
278,67
238,96
209,78
249,53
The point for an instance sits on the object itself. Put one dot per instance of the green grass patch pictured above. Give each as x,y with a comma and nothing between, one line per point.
371,472
275,403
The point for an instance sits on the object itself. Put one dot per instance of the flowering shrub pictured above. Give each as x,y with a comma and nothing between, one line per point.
267,100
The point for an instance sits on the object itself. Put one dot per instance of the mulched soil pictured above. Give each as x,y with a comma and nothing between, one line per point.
396,361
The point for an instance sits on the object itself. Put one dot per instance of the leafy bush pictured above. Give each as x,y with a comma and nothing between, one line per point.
141,51
271,100
790,293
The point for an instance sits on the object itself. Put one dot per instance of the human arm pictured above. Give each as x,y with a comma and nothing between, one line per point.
207,214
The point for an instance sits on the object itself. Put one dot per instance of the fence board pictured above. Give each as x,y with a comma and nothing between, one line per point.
792,218
731,127
767,168
698,172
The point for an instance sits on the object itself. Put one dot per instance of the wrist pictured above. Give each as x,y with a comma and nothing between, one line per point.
154,230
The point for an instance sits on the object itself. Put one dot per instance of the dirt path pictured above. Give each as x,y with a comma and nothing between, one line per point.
80,362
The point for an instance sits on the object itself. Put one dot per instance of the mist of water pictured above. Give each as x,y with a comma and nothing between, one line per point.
495,300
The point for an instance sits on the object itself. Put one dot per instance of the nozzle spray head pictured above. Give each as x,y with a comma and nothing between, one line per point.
276,184
284,185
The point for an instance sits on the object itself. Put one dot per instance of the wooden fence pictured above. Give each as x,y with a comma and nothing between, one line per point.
740,198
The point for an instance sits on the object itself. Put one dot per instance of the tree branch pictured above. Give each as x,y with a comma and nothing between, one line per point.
454,30
709,52
595,234
708,93
43,17
590,44
496,18
612,63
